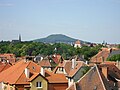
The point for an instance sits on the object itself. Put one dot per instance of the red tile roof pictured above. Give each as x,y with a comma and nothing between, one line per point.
67,65
57,78
75,70
15,74
95,79
101,56
10,57
45,63
4,66
56,58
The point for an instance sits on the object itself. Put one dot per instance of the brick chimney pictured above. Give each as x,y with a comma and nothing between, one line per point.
105,71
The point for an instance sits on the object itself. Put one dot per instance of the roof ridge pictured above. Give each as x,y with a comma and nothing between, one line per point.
4,67
100,77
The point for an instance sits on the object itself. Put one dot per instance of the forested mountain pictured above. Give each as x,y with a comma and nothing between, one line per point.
57,38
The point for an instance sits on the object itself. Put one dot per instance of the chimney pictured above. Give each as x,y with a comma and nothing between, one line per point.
42,71
105,71
27,72
73,63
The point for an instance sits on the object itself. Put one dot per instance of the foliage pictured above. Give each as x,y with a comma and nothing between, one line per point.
88,52
35,48
119,46
114,58
86,69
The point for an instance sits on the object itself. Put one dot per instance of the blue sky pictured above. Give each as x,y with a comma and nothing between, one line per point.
89,20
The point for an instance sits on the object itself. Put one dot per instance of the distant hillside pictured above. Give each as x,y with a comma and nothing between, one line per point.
57,38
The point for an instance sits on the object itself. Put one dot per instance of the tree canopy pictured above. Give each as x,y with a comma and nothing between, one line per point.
114,58
35,48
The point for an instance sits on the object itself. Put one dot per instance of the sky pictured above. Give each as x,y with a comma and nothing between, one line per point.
88,20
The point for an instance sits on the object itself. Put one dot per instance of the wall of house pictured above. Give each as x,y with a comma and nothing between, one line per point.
59,86
39,79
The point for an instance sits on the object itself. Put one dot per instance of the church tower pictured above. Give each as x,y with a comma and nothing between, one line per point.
19,38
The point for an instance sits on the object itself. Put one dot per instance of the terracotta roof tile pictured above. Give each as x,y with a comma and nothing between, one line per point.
4,66
78,66
15,74
45,63
57,78
95,79
101,56
67,65
56,58
8,56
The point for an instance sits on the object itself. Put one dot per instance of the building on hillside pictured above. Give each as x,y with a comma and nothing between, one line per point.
100,77
78,44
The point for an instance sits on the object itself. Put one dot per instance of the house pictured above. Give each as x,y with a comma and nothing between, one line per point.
99,77
72,69
38,82
22,76
8,57
78,44
56,81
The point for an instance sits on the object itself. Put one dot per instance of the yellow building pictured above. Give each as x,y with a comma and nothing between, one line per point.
38,82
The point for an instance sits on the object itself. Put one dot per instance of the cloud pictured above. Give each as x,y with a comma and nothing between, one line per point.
6,4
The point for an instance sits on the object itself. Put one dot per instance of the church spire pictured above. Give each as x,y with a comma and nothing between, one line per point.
19,38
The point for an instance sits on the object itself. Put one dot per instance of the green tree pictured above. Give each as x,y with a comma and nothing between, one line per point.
114,58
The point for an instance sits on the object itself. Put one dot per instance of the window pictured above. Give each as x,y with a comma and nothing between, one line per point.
39,84
33,68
